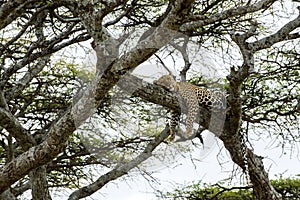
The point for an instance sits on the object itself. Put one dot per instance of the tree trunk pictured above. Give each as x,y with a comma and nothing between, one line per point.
262,187
39,184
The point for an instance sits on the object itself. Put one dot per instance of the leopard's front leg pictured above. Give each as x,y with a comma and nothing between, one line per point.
192,104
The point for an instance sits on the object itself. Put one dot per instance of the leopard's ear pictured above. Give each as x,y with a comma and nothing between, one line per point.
173,76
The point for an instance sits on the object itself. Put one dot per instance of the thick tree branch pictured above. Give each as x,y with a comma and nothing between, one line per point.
11,10
39,184
13,126
92,19
7,195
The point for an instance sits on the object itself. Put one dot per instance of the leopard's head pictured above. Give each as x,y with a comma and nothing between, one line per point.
166,81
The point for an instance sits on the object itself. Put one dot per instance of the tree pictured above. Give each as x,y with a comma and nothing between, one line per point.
45,100
288,189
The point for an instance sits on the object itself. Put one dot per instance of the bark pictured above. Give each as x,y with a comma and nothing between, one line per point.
259,178
39,184
7,195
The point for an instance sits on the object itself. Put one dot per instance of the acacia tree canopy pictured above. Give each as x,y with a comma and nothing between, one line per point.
45,98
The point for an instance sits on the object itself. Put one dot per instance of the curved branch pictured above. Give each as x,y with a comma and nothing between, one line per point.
232,12
11,11
120,170
281,35
13,126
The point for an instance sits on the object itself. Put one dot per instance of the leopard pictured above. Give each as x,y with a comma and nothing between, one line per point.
194,96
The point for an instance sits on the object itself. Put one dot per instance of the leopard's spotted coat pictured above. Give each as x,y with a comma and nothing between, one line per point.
194,96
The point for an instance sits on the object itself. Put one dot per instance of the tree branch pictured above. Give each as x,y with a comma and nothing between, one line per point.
120,170
232,12
259,177
281,35
11,10
13,126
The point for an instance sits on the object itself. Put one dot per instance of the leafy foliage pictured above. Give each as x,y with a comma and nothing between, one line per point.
289,188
